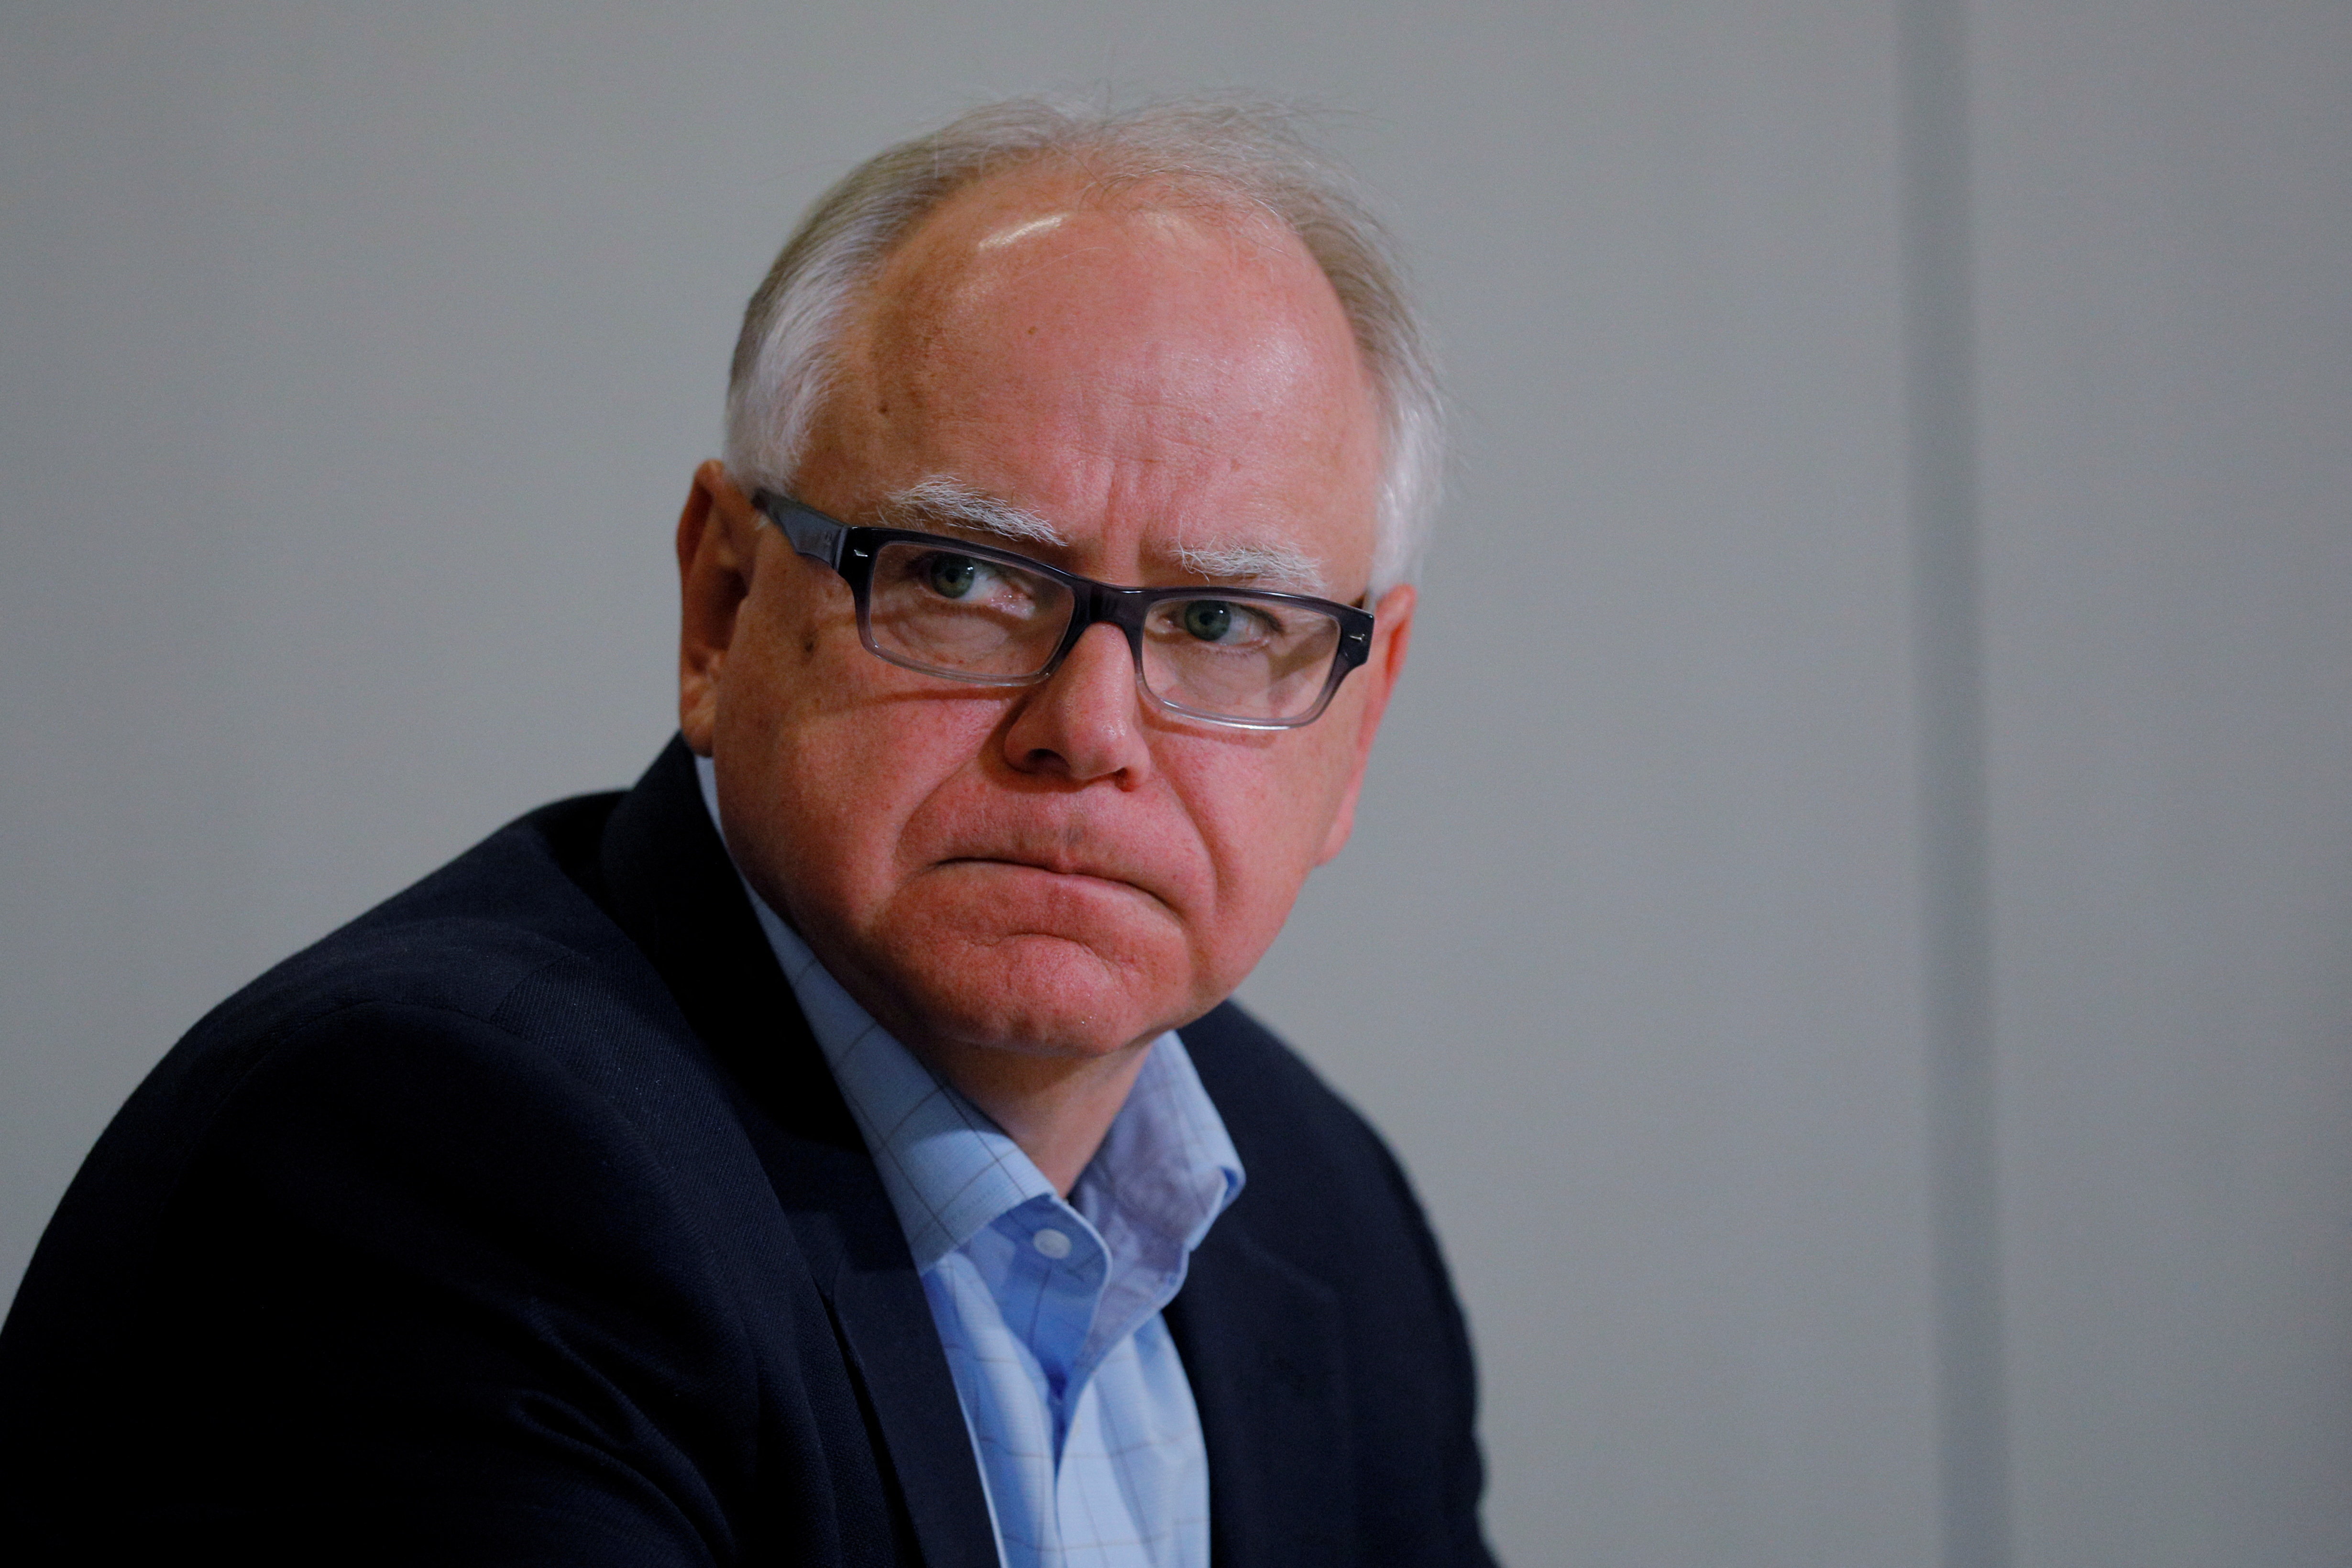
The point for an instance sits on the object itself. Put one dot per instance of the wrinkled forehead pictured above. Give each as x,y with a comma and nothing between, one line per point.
943,504
1133,355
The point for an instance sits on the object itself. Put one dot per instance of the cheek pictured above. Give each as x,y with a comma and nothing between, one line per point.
820,766
1264,818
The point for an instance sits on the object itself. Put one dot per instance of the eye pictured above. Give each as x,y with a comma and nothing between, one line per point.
952,576
1209,619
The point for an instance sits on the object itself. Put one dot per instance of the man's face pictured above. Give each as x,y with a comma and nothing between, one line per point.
1062,869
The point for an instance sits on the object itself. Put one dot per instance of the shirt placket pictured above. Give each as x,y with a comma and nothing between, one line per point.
1054,1286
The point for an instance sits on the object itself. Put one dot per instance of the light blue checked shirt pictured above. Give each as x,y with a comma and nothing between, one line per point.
1083,1423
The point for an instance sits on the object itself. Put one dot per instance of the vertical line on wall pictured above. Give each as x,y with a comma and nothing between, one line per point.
1947,616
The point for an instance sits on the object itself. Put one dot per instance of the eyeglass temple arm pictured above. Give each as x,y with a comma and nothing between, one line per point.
812,533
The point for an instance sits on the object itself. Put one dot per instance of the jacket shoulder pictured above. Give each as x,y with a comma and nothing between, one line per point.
461,938
1298,1138
456,1194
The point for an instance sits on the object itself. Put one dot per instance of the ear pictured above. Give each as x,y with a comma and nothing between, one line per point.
716,541
1392,638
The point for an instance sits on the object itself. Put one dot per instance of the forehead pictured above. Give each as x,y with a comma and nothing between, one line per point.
1150,372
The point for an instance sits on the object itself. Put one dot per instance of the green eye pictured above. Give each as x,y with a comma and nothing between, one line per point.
952,576
1208,619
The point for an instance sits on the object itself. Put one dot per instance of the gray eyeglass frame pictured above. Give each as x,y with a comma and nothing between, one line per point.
849,550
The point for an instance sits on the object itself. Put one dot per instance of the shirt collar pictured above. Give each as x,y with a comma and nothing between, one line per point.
1166,1169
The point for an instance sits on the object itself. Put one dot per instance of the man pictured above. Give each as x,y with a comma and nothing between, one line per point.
794,1160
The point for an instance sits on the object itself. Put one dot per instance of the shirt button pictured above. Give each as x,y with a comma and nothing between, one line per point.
1052,1243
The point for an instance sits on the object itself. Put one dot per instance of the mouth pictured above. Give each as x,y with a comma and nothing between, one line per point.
1068,873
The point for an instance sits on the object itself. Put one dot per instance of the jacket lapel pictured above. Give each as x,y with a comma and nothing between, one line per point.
1261,1344
849,1235
671,886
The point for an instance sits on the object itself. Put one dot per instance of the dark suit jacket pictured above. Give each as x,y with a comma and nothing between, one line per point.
520,1221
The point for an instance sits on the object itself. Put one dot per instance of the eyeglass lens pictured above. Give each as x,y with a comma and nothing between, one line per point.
955,614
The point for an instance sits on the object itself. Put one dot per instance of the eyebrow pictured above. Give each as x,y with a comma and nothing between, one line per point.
1282,568
942,502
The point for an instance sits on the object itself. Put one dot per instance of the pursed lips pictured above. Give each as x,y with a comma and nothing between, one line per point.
1061,866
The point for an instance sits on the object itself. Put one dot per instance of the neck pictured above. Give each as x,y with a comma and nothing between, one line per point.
1058,1108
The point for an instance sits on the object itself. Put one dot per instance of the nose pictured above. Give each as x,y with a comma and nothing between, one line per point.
1084,721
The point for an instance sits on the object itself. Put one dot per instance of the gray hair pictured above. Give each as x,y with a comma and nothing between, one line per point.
1247,153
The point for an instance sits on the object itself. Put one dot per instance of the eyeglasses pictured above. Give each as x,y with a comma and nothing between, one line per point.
947,607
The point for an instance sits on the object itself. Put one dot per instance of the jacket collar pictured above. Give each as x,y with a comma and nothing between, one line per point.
670,885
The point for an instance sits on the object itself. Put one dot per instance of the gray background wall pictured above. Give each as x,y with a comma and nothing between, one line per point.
1852,927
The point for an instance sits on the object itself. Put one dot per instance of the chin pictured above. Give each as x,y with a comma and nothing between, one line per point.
1039,994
